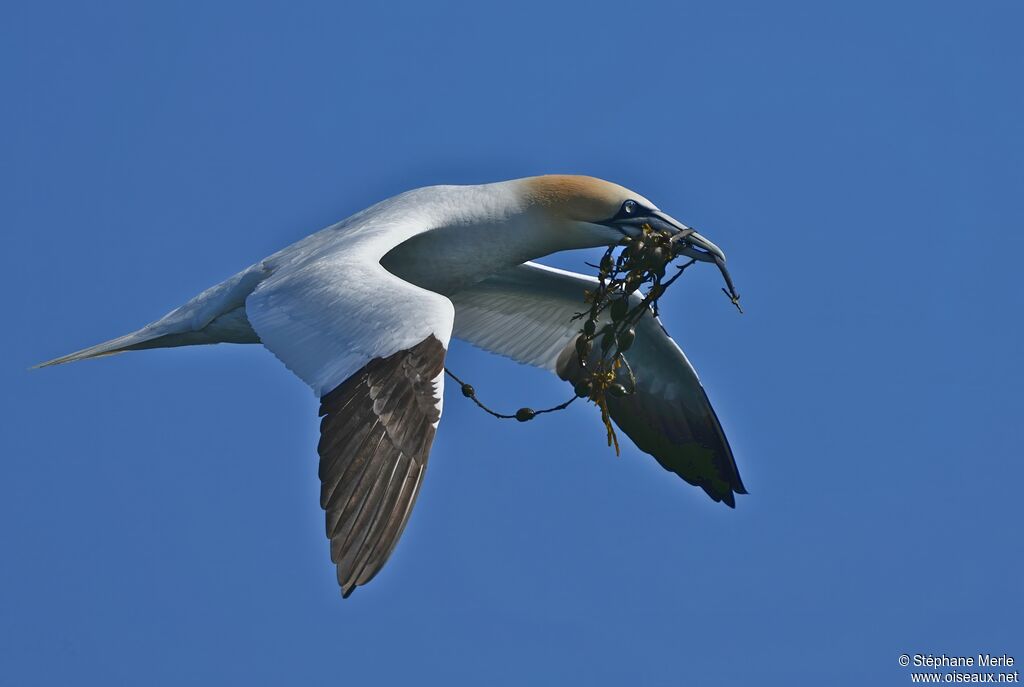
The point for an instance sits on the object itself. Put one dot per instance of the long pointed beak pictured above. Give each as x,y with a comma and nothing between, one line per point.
685,241
695,245
702,249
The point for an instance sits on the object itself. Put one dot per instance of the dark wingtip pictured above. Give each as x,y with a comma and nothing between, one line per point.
735,481
726,495
345,593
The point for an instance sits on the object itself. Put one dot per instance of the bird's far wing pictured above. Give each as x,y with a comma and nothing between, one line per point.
372,346
526,314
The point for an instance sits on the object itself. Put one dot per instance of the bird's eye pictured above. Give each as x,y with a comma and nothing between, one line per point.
629,207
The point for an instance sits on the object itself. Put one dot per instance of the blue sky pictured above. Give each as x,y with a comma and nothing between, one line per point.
861,164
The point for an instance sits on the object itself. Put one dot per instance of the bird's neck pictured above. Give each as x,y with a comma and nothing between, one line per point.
451,257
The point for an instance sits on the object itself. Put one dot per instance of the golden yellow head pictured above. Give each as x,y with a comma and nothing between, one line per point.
585,211
578,198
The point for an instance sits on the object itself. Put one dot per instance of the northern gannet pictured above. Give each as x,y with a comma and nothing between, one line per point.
363,311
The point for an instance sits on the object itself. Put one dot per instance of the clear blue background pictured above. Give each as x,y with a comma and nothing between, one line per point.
862,166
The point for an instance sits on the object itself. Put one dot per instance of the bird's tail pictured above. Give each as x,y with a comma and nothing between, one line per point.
135,340
216,315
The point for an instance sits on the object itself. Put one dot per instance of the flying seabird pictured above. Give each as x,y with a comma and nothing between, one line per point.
363,311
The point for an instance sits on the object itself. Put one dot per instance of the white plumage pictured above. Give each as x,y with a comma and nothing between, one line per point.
363,311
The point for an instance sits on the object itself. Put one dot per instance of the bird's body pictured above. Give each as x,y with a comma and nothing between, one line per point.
363,312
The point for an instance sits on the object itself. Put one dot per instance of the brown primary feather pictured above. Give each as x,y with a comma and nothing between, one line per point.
375,437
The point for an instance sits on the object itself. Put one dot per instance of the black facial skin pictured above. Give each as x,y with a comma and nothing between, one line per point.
633,214
629,210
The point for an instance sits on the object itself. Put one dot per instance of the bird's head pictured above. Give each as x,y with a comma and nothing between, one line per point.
593,212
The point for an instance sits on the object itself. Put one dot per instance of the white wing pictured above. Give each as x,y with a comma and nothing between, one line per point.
329,317
372,346
526,314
